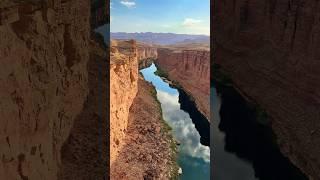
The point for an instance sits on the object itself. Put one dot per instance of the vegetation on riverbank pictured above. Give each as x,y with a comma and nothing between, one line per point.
166,131
161,73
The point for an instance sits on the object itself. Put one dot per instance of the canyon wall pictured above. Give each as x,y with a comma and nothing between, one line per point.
140,143
146,54
146,51
271,51
44,51
191,69
84,154
123,89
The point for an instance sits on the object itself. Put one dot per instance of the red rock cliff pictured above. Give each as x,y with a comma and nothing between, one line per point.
146,51
123,89
271,50
130,108
191,69
44,51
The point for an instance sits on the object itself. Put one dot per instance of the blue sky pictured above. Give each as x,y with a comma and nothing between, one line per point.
175,16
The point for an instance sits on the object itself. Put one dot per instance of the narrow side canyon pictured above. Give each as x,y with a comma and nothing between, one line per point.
270,51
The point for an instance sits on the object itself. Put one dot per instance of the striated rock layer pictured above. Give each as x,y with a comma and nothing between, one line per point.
146,51
191,69
146,54
271,50
44,51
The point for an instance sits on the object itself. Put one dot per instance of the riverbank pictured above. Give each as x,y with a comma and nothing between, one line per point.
189,127
149,150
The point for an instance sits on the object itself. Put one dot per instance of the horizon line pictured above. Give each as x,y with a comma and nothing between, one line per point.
162,33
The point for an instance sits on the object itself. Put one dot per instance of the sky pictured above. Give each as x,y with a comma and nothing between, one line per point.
174,16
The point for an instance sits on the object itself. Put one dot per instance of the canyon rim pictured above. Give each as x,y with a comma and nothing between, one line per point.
159,92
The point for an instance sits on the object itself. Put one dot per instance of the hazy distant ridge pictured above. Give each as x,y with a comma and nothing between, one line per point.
162,38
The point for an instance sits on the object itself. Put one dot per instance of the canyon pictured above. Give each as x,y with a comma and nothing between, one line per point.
135,113
50,128
190,69
137,131
270,51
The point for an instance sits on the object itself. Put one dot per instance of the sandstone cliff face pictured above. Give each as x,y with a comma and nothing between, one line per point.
44,50
271,51
146,51
139,143
191,69
146,55
123,89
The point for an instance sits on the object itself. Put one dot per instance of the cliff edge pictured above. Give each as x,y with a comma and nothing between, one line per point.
140,140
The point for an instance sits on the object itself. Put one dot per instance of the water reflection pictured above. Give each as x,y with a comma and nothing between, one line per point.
193,157
226,166
243,148
183,128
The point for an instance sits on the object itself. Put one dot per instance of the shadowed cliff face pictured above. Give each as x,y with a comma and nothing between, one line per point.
43,57
270,49
84,153
191,69
125,56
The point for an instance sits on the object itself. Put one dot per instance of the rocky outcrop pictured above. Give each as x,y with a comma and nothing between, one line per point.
44,51
147,152
146,54
140,144
126,57
146,51
123,89
191,69
270,49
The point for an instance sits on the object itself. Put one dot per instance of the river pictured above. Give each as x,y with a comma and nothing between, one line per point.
186,123
244,149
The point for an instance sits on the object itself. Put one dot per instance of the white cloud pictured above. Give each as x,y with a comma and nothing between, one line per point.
128,4
181,122
189,22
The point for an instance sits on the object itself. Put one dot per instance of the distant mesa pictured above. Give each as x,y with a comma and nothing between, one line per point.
162,38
